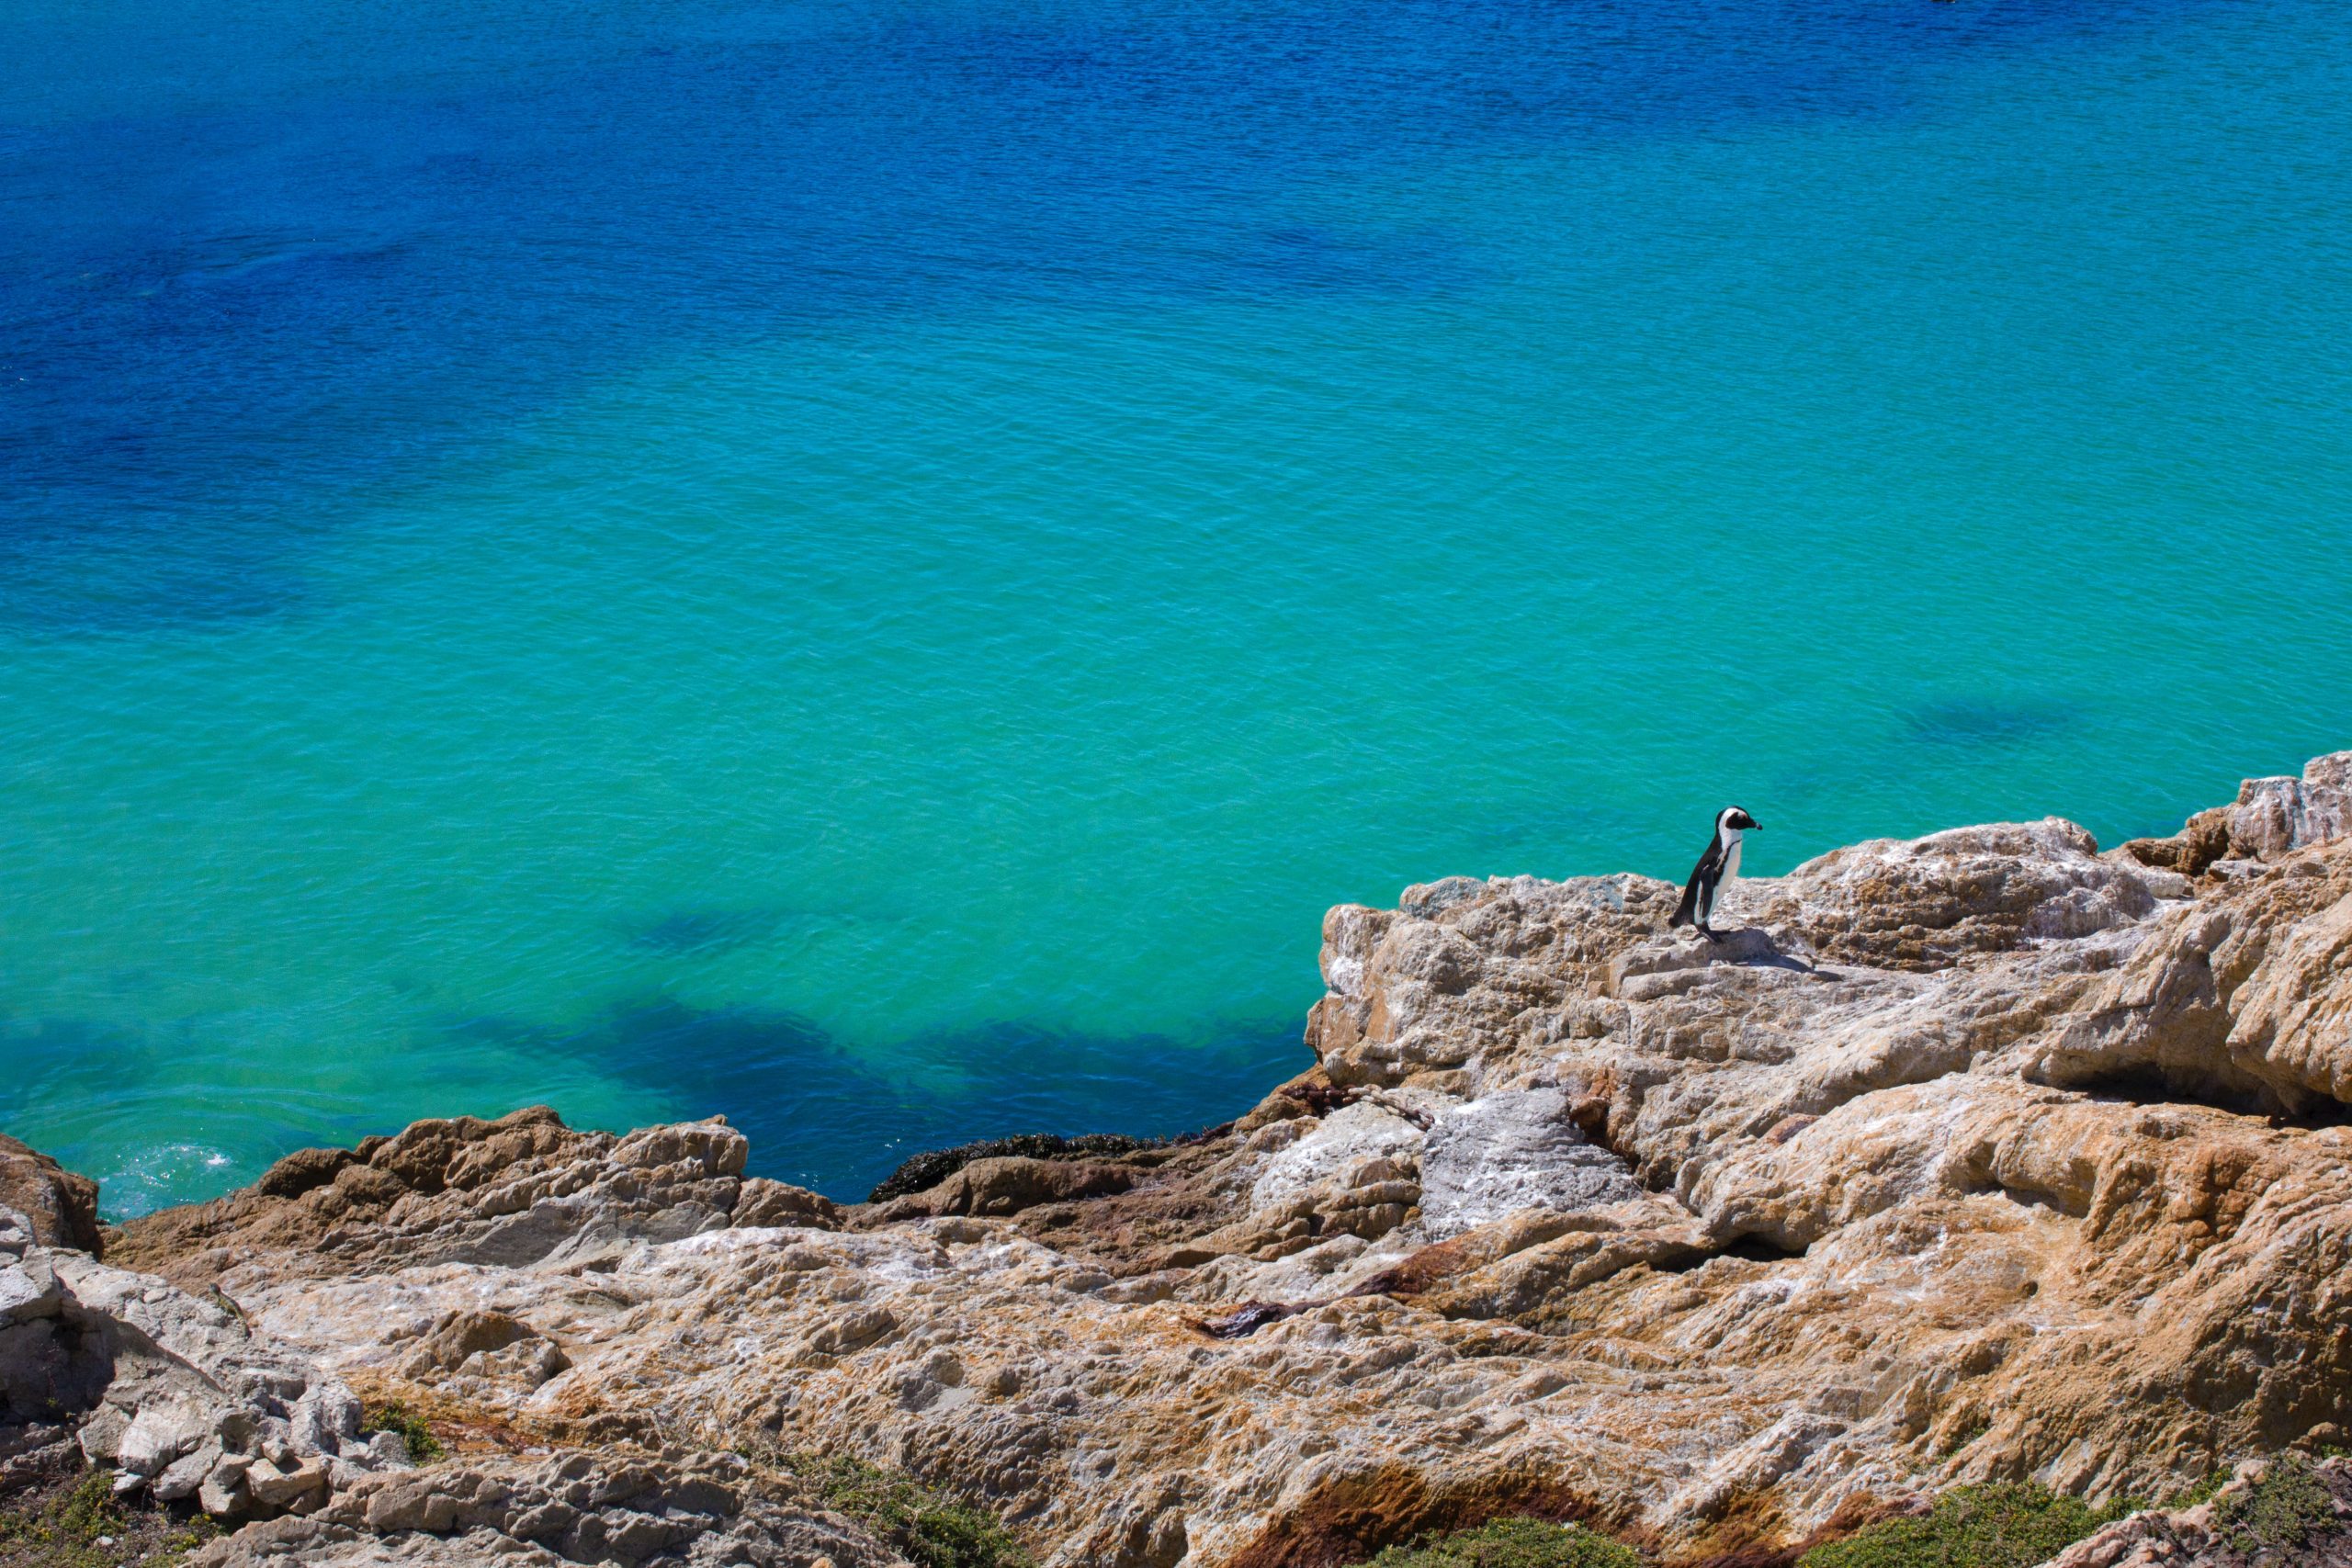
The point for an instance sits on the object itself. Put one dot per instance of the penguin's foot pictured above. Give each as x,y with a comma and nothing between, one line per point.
1712,934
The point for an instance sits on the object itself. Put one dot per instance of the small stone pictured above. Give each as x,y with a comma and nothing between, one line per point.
183,1476
162,1431
278,1489
223,1495
28,1289
101,1434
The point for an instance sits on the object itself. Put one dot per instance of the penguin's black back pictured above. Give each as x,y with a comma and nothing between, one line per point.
1703,877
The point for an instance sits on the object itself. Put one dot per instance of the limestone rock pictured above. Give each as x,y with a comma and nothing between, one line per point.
484,1344
522,1189
184,1476
604,1506
2274,818
765,1202
28,1287
1008,1184
1492,1157
1925,903
2246,994
2271,819
62,1207
174,1391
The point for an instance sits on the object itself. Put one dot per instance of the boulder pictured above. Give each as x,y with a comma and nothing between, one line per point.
2271,818
174,1392
765,1203
1008,1184
615,1506
61,1206
519,1191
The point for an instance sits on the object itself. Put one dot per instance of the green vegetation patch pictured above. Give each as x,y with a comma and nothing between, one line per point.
67,1528
64,1529
2285,1509
926,1171
394,1417
930,1529
2198,1491
2001,1525
177,1541
1512,1543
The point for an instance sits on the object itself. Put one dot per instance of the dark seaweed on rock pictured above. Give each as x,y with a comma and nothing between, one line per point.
925,1171
1250,1317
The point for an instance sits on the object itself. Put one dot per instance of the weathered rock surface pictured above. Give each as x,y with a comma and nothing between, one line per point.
174,1392
1983,1156
61,1207
522,1190
2271,819
604,1505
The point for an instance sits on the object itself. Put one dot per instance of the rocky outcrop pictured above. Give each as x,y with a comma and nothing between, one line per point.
523,1190
1007,1185
61,1208
2271,818
1983,1156
616,1506
175,1393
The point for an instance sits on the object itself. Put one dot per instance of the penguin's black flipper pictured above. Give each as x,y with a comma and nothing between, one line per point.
1686,911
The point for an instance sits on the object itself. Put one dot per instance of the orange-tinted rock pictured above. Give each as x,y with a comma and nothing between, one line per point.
62,1206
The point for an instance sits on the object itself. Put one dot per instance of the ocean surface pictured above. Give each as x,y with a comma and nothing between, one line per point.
873,565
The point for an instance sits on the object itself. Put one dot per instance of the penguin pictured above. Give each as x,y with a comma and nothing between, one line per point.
1718,865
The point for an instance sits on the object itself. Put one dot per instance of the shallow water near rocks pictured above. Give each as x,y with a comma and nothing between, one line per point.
875,567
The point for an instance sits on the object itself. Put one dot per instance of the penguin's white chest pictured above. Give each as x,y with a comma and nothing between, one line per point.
1731,854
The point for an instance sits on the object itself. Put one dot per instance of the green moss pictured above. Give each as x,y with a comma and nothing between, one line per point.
394,1417
2285,1509
930,1529
1512,1543
925,1171
90,1510
178,1542
64,1532
63,1529
1968,1435
2003,1525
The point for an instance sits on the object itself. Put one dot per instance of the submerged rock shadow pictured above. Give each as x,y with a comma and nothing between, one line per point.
1973,723
823,1116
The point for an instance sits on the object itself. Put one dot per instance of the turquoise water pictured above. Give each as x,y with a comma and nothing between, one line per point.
875,567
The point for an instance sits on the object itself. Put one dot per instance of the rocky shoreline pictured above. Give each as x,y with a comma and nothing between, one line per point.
1982,1157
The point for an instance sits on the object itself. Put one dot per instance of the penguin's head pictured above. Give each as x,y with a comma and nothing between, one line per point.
1735,819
